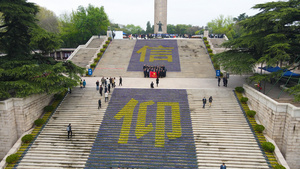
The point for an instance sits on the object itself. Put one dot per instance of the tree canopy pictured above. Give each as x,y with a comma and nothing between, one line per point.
23,73
269,37
78,27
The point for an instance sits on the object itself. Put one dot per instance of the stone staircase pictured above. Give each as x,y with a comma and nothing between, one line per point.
210,136
221,132
52,148
85,54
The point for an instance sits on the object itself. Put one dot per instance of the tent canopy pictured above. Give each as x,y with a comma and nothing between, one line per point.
275,69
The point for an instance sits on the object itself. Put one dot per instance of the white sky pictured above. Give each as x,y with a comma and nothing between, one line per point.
138,12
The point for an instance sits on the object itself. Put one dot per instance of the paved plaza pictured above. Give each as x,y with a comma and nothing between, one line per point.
140,127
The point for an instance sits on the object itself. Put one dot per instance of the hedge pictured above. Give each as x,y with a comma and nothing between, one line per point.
99,54
102,50
39,122
239,89
268,146
206,42
12,158
279,167
96,59
105,46
93,65
216,66
27,138
204,38
259,128
208,46
209,50
110,38
107,42
48,108
244,99
251,113
58,96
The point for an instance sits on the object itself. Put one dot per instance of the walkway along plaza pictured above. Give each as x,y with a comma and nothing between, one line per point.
164,127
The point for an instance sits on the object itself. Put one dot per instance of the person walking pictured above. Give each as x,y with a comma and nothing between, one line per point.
97,85
120,81
204,102
210,99
81,84
99,103
69,129
157,81
219,80
223,166
84,83
108,88
101,90
106,97
226,82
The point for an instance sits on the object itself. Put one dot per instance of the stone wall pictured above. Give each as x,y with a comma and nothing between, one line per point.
281,121
17,115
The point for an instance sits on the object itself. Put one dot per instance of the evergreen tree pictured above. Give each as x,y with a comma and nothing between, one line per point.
21,72
149,29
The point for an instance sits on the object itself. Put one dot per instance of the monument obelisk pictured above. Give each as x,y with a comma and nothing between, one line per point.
160,16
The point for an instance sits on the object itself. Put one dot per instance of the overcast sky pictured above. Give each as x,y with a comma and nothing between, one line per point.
138,12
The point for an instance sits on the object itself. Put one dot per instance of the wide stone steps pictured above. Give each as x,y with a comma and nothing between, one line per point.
52,149
222,133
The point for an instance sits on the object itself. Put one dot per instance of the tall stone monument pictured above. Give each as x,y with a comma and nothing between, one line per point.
160,16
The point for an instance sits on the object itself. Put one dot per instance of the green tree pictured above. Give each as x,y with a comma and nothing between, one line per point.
222,25
44,40
132,29
171,29
23,73
78,27
18,21
149,29
270,37
47,20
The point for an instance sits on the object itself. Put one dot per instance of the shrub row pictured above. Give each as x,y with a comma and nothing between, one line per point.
268,147
28,138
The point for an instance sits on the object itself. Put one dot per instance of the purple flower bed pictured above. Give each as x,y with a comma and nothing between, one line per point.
143,152
136,65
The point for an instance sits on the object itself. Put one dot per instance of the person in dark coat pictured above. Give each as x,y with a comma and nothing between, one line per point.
101,90
210,99
105,89
108,88
69,129
157,81
219,80
204,102
97,85
152,85
99,103
223,166
120,81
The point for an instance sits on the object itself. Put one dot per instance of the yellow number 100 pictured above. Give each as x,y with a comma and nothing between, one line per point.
141,129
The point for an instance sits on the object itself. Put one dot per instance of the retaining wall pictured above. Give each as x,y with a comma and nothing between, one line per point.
281,121
17,115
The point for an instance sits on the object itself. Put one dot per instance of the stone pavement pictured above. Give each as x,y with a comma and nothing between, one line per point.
219,134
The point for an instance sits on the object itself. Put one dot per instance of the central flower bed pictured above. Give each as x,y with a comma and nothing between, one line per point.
155,53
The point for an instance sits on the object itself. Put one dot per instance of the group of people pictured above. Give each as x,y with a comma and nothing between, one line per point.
225,81
106,85
210,99
160,71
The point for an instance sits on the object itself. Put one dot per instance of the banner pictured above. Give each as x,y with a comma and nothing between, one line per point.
153,74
